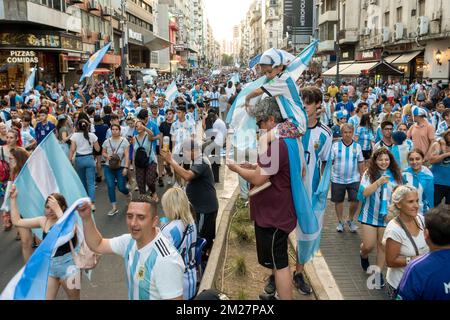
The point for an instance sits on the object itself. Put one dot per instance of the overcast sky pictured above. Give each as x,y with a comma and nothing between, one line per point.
224,14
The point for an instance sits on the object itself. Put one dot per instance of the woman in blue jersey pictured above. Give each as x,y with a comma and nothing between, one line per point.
182,232
439,156
375,190
365,137
420,177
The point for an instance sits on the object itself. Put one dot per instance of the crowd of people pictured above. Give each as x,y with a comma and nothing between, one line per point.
388,146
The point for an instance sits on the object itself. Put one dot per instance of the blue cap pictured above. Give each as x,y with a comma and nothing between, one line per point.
341,114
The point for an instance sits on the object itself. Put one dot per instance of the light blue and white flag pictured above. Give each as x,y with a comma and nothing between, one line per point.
48,170
254,61
30,283
171,92
90,66
29,85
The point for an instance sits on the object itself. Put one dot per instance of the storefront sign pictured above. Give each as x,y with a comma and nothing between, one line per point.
22,57
135,35
29,40
306,8
179,47
71,43
111,59
369,55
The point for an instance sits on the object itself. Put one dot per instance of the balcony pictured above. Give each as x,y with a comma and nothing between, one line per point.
348,36
328,16
326,46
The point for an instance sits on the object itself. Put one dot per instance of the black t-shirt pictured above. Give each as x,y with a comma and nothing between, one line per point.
201,191
107,120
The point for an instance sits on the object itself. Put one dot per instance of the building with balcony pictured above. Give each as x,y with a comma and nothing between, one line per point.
272,24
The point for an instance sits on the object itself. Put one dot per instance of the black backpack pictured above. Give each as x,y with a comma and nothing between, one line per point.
141,158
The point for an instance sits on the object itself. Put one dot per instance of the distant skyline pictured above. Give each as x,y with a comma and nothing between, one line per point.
223,15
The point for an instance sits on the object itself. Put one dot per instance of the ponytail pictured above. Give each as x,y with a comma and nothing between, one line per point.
83,126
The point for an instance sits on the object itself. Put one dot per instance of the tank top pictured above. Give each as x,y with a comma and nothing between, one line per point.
441,172
63,249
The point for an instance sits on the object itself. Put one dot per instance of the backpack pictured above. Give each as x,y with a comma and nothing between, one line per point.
115,161
141,158
4,168
85,259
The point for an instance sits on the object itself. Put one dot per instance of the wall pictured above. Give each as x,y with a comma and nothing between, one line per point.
433,70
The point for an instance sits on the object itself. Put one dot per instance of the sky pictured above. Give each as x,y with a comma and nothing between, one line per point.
224,14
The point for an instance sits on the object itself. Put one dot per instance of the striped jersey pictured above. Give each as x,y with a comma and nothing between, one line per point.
442,127
184,239
374,207
366,137
154,272
345,162
354,120
317,143
424,183
400,153
285,90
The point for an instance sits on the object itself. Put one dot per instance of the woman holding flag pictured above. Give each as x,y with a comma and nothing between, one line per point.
375,191
62,266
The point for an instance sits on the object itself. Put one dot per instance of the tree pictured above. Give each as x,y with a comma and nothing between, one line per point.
227,60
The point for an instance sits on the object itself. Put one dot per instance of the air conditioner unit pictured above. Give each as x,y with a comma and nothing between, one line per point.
107,11
436,15
423,24
375,2
367,31
398,31
386,34
93,5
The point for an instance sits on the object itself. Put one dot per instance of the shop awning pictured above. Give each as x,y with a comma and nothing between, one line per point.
357,68
385,68
332,71
155,43
102,71
407,57
391,58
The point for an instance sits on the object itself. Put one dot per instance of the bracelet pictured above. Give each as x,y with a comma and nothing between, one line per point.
408,260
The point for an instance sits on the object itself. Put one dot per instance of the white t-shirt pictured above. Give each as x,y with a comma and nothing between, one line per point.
118,147
220,132
156,271
395,232
83,146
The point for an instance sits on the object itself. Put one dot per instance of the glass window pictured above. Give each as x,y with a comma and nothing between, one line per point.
386,19
399,14
421,7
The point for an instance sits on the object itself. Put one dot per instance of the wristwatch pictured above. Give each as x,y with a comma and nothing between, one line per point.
408,260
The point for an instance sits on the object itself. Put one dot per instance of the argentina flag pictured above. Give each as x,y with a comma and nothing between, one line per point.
90,66
172,92
29,85
30,283
48,170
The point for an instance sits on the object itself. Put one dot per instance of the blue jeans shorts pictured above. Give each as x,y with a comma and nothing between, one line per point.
63,267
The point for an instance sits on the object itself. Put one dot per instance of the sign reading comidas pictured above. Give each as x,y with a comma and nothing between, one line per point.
20,56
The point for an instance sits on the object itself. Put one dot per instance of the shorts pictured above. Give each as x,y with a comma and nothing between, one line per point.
367,154
63,267
272,247
99,153
338,192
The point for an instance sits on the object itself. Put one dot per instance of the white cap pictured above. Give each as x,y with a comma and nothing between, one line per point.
275,57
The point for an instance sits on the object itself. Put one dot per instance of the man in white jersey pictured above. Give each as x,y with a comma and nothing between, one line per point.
154,268
348,167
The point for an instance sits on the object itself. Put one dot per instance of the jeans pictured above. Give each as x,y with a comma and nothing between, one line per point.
85,167
112,178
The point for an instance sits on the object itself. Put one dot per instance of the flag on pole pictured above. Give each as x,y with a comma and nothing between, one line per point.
48,170
29,85
90,66
172,92
30,283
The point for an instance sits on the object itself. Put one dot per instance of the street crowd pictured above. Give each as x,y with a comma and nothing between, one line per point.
388,144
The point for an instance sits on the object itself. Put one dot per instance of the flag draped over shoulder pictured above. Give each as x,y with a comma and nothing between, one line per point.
90,66
30,283
172,92
308,208
48,170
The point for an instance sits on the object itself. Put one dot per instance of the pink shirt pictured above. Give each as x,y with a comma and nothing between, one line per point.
422,136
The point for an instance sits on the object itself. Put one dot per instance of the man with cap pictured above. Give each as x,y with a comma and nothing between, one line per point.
333,89
341,118
421,132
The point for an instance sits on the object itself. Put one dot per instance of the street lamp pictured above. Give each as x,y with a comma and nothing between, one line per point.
438,57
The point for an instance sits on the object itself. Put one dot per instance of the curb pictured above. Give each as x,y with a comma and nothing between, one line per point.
215,260
320,277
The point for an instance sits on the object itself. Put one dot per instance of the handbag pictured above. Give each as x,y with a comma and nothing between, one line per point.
85,259
115,161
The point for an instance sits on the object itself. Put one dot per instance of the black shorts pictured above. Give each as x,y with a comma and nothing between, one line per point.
338,192
272,247
95,153
367,154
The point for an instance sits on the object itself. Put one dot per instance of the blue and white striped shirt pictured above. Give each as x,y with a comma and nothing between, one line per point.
175,231
355,120
154,272
366,137
424,183
345,162
442,127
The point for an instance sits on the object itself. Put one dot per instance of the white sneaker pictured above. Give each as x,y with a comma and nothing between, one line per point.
352,226
113,212
340,227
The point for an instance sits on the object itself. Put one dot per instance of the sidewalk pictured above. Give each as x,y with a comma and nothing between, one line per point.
341,253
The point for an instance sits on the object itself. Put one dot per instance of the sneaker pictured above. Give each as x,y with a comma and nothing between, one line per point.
270,287
340,227
364,263
113,212
352,226
302,286
266,296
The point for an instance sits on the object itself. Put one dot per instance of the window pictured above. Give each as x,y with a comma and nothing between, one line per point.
399,14
331,5
270,34
375,21
386,19
421,8
343,15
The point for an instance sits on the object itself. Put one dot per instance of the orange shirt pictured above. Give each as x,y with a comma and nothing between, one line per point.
422,136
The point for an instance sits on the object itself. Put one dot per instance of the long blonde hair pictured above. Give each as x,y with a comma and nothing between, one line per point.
176,206
397,196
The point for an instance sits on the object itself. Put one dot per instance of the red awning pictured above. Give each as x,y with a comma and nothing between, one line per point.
102,71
